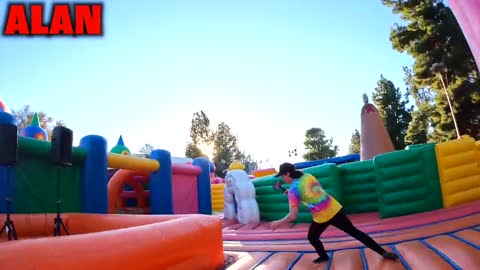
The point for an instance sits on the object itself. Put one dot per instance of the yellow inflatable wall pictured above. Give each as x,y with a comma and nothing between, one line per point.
477,144
459,170
217,197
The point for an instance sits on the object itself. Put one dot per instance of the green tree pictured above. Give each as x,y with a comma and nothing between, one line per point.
200,130
146,150
249,162
432,36
417,131
200,133
418,128
354,147
392,108
24,117
223,141
318,146
192,151
226,148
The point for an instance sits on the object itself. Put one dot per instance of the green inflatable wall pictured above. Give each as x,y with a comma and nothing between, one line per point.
273,204
329,177
413,146
407,181
34,182
359,190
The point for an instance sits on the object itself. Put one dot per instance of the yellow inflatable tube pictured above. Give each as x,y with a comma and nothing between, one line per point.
118,161
217,197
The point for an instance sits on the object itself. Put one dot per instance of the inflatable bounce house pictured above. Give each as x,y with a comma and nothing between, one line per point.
129,191
179,199
422,203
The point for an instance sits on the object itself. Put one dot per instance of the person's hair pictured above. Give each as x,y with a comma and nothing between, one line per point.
296,174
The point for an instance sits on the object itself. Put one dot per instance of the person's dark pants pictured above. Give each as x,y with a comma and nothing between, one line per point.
342,222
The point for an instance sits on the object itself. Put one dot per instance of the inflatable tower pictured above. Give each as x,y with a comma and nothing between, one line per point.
34,130
374,138
4,108
120,148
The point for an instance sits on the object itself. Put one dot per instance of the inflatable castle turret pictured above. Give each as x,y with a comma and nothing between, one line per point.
120,148
34,130
374,138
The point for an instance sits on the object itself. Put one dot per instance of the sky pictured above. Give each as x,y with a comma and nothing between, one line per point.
269,69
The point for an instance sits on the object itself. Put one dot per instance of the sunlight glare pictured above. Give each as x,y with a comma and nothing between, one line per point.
207,150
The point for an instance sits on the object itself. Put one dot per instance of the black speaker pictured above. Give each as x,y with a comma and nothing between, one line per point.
62,140
8,145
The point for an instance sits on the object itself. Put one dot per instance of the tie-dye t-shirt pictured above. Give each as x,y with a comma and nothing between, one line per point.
307,190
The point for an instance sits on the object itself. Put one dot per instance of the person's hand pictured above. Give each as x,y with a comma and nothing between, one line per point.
275,224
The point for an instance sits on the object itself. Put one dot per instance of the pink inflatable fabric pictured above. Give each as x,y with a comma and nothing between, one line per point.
467,13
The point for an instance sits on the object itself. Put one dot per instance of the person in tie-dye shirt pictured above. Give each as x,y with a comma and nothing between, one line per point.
325,209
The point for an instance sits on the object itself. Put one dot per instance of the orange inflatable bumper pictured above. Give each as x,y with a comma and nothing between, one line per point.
114,242
264,172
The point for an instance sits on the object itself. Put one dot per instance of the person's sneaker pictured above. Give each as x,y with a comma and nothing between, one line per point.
229,260
321,259
389,255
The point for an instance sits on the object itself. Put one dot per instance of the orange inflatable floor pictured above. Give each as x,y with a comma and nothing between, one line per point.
114,242
441,239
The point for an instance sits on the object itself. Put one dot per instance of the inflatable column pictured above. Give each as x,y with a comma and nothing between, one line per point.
238,184
374,138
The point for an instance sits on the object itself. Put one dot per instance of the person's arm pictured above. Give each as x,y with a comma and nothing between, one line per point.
278,185
294,202
292,215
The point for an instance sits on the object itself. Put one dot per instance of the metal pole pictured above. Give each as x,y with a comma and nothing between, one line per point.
450,105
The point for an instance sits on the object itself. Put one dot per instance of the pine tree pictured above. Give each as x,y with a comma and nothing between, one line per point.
418,128
354,147
318,146
433,36
392,108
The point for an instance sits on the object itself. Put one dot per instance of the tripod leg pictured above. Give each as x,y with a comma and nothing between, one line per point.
3,228
9,227
14,232
58,220
56,231
65,228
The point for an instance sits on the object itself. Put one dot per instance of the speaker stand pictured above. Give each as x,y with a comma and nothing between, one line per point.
58,222
9,227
